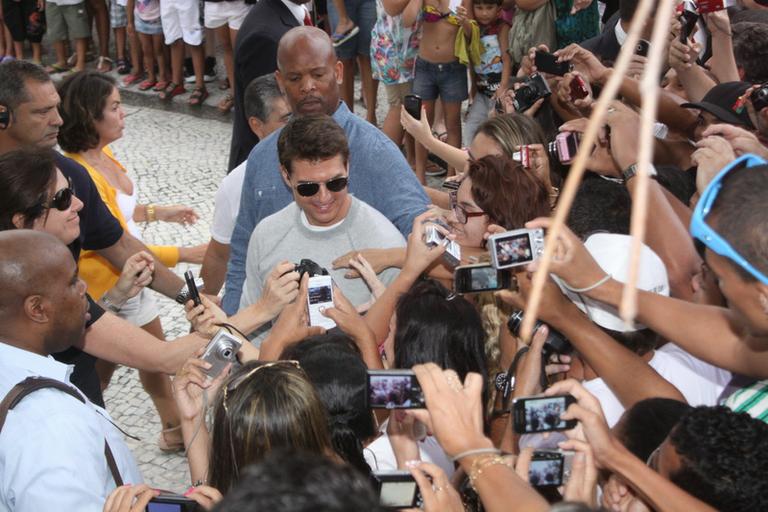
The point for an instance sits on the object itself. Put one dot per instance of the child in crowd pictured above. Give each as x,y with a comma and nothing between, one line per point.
23,20
181,25
67,19
394,46
491,74
439,74
144,20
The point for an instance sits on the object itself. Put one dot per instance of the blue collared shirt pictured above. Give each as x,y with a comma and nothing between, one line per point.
52,445
379,176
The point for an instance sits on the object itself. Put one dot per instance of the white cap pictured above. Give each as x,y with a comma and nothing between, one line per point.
612,253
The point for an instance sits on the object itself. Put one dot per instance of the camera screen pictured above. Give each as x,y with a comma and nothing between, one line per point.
543,414
320,294
545,472
513,250
394,391
397,494
164,507
484,278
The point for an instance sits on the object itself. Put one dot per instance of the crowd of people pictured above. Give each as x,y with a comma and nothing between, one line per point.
418,381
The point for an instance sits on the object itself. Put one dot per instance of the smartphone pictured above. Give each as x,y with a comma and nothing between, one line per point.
171,503
515,248
642,48
547,63
319,297
220,351
688,19
194,293
479,278
546,469
707,6
541,414
394,389
412,104
397,489
579,89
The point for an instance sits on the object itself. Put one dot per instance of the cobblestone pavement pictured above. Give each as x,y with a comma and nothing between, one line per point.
174,159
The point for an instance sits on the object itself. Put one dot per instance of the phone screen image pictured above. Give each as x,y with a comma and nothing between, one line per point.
484,278
542,473
397,494
513,250
164,507
320,294
543,414
394,391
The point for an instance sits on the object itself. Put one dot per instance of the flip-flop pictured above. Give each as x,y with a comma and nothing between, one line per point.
161,85
147,84
340,39
55,68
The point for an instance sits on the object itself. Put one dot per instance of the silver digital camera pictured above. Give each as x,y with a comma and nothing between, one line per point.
515,248
434,237
221,350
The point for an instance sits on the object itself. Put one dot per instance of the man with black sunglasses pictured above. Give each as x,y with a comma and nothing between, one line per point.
324,221
30,100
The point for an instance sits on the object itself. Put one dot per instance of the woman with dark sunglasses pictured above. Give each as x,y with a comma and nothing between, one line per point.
34,194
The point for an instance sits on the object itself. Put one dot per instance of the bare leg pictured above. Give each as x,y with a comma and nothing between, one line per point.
370,87
120,38
421,151
61,53
81,47
177,62
453,126
348,84
17,49
345,24
37,53
149,56
159,52
392,127
99,10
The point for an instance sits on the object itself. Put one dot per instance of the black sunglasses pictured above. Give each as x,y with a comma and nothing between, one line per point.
308,189
62,199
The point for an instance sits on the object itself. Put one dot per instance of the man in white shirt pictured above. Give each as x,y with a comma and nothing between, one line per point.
52,445
266,110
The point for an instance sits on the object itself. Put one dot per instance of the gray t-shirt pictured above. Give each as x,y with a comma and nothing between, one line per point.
284,237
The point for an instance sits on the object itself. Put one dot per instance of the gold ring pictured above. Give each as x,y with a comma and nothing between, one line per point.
611,110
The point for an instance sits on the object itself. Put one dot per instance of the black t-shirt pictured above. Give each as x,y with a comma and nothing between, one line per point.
99,229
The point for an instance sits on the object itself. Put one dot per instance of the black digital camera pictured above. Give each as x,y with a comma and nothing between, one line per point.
556,343
307,266
534,88
759,97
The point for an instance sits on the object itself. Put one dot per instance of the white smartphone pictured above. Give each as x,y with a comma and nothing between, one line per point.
320,296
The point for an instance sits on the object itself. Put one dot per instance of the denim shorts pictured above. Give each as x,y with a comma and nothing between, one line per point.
363,14
152,28
447,81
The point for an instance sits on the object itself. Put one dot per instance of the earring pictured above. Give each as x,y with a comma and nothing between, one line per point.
764,302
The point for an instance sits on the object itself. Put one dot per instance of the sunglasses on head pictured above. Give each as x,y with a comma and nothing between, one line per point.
704,233
309,188
62,199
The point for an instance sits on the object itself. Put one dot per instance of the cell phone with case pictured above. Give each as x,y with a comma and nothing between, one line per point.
547,63
546,469
541,414
397,489
171,503
479,278
412,104
194,293
579,89
708,6
394,389
320,297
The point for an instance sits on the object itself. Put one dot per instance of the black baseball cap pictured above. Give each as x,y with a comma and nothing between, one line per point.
721,101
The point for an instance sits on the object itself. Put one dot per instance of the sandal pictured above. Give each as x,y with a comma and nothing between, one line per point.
198,96
56,68
104,65
132,79
147,84
123,66
161,85
340,39
171,90
226,104
224,85
171,447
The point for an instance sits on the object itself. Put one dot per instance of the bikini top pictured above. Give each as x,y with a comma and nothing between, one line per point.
431,14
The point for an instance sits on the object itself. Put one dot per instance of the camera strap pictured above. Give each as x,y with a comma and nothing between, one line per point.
32,384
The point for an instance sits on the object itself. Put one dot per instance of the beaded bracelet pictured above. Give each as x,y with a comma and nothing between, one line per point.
482,463
477,451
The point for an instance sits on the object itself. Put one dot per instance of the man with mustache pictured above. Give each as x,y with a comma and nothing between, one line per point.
310,75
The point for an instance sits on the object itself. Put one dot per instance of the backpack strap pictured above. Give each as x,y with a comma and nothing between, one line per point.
32,384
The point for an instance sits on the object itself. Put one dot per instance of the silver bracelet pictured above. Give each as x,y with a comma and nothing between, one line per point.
601,282
111,306
477,451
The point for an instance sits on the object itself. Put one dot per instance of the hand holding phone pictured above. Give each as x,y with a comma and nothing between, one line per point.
547,63
412,104
320,297
394,389
541,414
194,293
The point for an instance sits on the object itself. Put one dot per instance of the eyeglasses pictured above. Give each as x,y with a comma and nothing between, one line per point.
309,188
653,459
62,199
232,385
702,231
461,214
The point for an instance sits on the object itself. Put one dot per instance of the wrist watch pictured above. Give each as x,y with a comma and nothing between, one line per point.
631,171
111,306
183,296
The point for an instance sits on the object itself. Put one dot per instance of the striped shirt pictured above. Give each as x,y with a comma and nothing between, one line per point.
752,400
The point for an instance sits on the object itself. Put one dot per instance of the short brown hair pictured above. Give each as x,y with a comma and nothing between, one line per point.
507,192
83,99
311,138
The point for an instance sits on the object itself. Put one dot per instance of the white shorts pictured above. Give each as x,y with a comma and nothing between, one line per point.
139,310
232,13
181,20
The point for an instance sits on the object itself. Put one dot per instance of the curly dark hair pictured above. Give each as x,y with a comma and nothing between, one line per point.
722,456
83,99
312,138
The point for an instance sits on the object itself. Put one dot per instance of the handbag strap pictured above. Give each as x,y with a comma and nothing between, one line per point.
32,384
